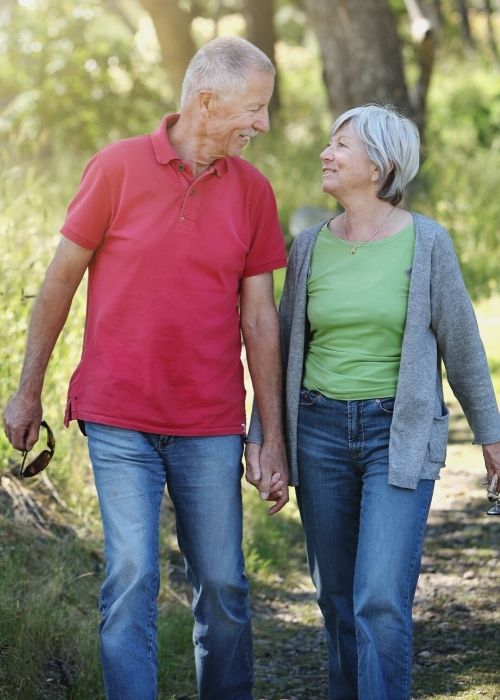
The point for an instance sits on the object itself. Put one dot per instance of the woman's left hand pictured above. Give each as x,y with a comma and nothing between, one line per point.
491,454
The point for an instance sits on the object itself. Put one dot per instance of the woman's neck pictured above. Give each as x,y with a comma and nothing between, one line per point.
373,220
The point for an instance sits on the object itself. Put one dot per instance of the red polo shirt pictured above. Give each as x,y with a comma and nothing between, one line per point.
161,349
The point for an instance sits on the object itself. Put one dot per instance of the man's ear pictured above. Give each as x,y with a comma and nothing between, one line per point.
207,100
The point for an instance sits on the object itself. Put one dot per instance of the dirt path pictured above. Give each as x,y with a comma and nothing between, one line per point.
457,631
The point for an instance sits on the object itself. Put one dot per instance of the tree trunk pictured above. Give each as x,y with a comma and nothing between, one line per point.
463,10
438,11
259,18
173,29
361,53
422,32
491,30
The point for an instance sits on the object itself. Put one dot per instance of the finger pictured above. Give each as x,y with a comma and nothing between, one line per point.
252,472
275,478
18,438
275,490
265,486
31,436
279,504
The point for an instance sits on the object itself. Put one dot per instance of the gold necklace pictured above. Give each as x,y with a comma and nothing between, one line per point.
355,248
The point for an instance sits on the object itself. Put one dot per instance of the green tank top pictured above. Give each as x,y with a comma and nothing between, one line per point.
357,310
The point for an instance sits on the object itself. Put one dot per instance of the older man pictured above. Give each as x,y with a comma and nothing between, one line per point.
180,237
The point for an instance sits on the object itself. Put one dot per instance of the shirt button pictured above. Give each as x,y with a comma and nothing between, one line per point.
193,193
182,166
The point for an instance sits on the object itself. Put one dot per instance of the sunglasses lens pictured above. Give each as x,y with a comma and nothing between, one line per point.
38,464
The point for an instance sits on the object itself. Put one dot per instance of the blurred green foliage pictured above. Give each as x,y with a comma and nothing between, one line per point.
461,173
72,78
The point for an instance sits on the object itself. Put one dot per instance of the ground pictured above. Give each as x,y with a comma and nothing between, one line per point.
457,635
457,631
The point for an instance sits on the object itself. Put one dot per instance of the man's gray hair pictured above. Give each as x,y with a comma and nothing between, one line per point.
223,65
392,143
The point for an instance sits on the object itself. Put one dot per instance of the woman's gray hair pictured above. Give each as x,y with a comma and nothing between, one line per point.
223,65
392,143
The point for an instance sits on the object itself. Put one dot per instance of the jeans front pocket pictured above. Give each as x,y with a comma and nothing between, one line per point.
308,397
385,406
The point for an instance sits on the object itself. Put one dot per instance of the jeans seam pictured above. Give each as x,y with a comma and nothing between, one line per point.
356,454
362,426
154,589
409,608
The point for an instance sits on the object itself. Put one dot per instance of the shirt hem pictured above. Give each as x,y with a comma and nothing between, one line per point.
389,394
156,430
76,238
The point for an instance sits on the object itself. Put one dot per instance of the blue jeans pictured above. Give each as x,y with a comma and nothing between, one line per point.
364,543
203,477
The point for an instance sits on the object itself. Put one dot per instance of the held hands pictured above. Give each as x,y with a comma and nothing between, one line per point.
21,418
267,470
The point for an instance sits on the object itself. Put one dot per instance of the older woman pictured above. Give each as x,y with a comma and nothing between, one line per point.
373,301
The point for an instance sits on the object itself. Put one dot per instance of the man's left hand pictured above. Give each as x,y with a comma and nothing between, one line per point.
267,470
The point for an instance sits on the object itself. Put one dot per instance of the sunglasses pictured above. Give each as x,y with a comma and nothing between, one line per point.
39,463
493,495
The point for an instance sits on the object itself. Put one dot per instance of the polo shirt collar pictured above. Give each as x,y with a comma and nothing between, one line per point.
165,152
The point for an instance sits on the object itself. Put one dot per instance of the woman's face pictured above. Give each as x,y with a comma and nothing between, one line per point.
345,165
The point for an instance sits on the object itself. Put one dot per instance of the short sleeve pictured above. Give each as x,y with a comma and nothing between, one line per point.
89,212
267,249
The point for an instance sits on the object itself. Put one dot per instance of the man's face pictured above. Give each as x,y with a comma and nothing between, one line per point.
235,118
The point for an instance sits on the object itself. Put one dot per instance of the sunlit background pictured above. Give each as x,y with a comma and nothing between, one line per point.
77,74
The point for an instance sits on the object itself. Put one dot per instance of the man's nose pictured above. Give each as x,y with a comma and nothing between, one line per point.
262,122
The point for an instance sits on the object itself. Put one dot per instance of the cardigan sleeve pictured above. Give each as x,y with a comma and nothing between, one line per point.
454,323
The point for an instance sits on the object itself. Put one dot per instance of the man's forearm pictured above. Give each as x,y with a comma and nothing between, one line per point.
49,315
23,412
264,364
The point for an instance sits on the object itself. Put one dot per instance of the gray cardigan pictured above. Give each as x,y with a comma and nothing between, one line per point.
440,323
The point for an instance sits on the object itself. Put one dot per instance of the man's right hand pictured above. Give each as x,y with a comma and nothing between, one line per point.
22,417
23,413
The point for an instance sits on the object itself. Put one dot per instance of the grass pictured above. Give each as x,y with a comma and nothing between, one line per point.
49,588
47,614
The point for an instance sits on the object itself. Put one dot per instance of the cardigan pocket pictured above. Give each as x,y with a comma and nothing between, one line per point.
439,437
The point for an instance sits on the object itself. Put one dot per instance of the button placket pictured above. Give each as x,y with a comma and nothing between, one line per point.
191,201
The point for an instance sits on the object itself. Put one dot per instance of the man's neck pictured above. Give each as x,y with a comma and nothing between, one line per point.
189,147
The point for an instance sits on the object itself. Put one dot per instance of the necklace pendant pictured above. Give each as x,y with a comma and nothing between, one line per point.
353,251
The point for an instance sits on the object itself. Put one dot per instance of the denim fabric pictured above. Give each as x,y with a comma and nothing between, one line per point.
364,544
203,477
